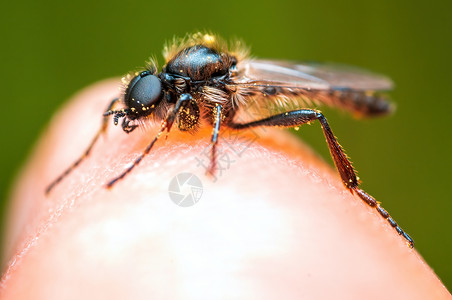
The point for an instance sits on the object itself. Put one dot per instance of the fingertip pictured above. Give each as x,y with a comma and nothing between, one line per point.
274,217
61,143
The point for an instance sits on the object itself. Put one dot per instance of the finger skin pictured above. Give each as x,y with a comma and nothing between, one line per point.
276,224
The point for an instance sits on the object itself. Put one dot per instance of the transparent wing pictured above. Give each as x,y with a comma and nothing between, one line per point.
318,76
288,85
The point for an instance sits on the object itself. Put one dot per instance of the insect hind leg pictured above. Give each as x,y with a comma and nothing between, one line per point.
85,154
342,162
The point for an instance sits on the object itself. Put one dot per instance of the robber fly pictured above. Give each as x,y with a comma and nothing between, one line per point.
205,80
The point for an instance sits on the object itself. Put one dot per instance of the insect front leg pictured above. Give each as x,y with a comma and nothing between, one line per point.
166,125
101,130
343,164
127,127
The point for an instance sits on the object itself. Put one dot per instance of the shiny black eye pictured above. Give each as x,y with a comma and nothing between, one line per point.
143,93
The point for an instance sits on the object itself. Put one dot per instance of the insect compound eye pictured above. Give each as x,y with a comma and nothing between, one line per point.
143,93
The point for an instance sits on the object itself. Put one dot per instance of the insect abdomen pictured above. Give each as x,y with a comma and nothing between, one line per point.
361,103
364,103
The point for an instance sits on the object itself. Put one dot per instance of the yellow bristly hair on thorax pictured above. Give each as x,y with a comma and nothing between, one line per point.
207,39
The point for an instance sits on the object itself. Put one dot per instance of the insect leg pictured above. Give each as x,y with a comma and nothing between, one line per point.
166,125
343,164
102,130
214,140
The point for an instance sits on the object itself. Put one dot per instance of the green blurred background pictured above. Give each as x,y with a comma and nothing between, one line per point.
51,49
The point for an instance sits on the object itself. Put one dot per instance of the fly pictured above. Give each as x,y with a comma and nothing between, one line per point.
204,80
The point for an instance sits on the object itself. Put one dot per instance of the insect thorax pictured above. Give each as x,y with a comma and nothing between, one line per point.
199,63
